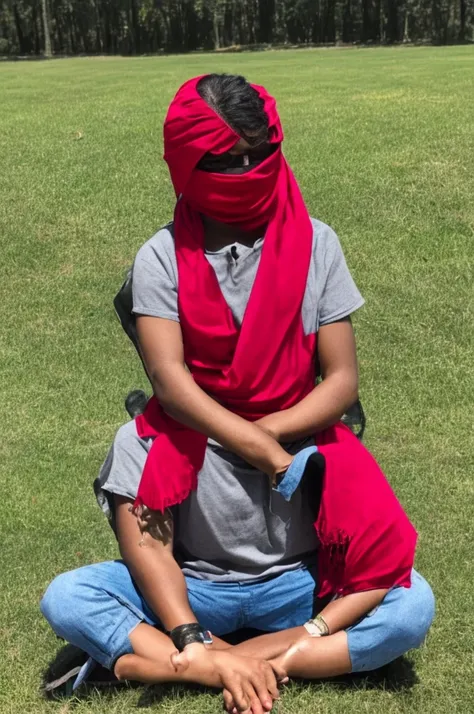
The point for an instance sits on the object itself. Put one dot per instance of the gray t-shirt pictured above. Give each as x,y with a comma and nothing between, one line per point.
331,293
234,527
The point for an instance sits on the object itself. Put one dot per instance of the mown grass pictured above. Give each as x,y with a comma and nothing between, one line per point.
382,142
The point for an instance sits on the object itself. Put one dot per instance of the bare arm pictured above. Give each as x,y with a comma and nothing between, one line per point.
338,614
162,584
329,400
345,611
154,569
162,349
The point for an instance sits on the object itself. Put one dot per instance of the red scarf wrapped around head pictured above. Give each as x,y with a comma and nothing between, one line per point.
266,365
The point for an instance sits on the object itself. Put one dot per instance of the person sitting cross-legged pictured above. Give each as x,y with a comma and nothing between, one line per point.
221,493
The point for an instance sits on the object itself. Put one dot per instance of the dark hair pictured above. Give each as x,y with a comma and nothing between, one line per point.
238,103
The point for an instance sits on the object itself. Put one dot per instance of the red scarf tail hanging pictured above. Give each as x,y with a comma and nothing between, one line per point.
366,539
179,451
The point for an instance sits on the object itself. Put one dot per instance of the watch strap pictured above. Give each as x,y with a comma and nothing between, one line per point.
188,634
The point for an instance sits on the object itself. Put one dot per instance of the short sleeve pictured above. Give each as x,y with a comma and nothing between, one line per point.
122,469
155,278
339,297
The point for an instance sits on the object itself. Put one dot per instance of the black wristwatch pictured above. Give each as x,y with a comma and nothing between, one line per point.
184,635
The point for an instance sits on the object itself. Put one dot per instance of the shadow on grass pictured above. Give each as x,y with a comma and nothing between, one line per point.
398,676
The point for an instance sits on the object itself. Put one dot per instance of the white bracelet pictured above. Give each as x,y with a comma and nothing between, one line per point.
312,629
317,627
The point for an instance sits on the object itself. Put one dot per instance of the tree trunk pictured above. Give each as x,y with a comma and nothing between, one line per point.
462,21
392,21
19,31
382,32
266,12
366,34
72,39
228,34
215,24
330,21
47,34
316,22
36,31
377,24
250,21
347,23
406,37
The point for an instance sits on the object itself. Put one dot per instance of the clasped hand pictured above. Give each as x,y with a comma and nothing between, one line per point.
250,685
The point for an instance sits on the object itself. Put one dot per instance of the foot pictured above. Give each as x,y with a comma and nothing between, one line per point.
62,673
61,676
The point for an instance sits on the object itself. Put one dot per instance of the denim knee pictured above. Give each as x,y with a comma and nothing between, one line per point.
400,623
420,613
57,604
412,616
95,608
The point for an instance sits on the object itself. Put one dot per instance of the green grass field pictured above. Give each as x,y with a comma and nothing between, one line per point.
382,143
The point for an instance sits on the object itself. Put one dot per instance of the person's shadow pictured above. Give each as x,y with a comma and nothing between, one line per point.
398,676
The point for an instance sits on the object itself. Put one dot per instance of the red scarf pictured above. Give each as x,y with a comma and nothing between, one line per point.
366,539
266,365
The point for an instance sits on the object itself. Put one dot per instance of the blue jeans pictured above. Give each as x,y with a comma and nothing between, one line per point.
96,608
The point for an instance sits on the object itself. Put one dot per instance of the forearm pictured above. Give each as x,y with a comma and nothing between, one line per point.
186,402
322,408
329,400
338,614
150,670
270,645
345,611
152,660
153,567
162,584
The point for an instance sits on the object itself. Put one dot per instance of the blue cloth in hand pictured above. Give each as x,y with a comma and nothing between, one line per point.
291,480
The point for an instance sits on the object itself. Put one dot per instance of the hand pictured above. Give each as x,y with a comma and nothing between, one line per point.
158,525
256,706
250,684
270,425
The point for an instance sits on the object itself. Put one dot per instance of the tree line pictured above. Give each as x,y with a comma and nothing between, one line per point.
70,27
